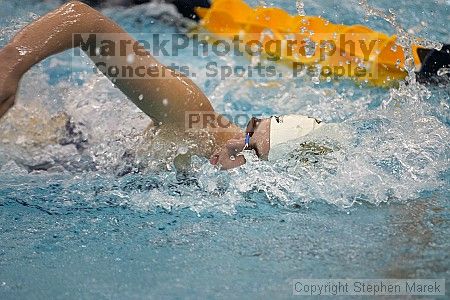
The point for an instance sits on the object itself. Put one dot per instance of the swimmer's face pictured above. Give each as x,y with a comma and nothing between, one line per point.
230,155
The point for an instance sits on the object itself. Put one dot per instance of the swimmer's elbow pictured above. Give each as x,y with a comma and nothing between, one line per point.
76,3
78,6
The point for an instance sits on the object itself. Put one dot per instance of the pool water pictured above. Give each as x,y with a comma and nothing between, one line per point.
103,216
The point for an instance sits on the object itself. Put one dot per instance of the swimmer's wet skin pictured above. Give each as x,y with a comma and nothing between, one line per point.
165,100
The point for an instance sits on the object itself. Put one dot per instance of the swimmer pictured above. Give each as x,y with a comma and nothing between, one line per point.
167,101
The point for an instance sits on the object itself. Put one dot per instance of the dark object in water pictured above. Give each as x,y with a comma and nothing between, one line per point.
184,7
433,63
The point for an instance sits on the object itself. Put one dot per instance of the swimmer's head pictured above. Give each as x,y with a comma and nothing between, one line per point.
230,154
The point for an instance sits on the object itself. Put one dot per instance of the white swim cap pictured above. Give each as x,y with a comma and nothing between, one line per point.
291,127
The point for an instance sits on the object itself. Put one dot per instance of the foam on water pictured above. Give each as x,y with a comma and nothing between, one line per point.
387,145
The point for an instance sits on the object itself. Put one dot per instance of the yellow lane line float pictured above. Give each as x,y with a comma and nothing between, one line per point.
354,51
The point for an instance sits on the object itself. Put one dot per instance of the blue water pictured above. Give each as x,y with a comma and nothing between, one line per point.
114,220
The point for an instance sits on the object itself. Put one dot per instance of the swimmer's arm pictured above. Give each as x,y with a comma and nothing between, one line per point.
166,100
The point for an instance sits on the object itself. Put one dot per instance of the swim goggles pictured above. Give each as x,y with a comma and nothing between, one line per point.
249,131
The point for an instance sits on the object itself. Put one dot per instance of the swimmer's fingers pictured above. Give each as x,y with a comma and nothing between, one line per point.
231,161
6,105
230,156
239,160
227,162
235,148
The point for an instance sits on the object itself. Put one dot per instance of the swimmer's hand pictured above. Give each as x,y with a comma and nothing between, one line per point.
9,81
230,155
